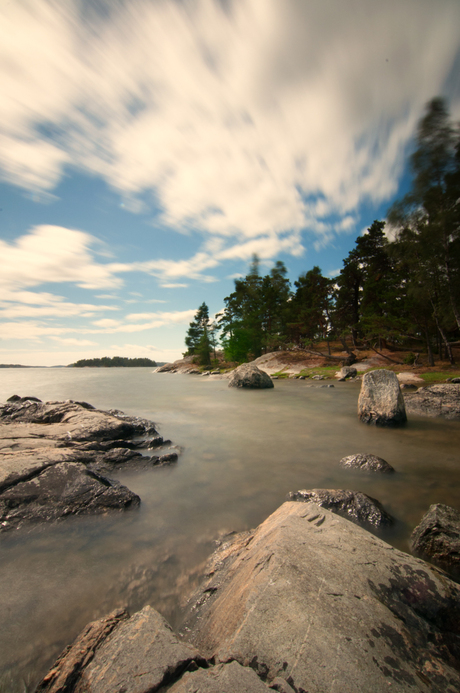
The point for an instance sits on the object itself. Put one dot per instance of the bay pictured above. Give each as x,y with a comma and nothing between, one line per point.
242,452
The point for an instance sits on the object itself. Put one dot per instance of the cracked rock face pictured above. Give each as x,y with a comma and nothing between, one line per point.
312,599
380,401
435,400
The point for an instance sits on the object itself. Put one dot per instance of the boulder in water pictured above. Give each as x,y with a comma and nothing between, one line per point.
380,400
347,372
353,505
249,376
437,538
367,463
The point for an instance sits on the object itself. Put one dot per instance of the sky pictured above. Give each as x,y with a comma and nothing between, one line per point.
149,147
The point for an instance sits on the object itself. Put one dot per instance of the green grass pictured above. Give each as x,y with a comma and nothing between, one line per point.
439,376
326,371
281,374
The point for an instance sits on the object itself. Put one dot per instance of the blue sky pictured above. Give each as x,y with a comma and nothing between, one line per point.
149,147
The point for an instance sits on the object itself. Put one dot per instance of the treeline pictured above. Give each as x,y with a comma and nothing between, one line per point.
114,362
399,289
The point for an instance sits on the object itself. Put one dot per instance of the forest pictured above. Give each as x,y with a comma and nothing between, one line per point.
399,287
114,362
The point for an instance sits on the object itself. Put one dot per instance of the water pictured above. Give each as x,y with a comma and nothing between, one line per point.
243,451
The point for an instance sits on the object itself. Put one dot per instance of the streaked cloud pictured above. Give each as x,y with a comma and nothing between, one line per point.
238,115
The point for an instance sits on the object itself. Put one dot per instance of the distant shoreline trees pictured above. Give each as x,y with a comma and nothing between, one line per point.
402,291
114,362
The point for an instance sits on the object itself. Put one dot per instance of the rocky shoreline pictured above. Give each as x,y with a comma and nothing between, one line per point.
56,459
310,601
306,603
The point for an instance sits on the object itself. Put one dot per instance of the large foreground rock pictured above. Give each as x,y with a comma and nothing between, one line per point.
354,505
435,400
313,599
437,538
380,400
249,376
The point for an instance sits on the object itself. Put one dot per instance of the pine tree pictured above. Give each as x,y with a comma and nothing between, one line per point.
197,338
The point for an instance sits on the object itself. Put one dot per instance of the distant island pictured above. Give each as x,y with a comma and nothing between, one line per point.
114,362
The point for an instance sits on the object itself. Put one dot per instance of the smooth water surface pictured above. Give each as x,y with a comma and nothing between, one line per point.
242,452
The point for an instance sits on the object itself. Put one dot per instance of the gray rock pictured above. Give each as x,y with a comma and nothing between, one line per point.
135,655
223,678
380,400
319,602
347,372
54,457
249,376
366,462
437,538
436,400
353,505
66,488
455,380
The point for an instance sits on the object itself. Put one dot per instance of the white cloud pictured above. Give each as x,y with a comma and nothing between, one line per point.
177,285
53,254
74,341
237,115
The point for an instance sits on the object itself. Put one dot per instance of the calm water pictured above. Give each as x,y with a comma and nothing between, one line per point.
242,452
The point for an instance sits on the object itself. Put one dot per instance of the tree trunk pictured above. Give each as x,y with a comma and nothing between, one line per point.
428,349
444,338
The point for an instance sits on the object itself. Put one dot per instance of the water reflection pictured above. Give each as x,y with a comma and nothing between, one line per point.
243,451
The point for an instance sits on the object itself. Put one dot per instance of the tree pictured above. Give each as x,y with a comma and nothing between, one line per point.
428,219
309,309
197,338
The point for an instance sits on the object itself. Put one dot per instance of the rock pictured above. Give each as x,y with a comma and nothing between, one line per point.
366,462
435,400
407,386
353,505
249,376
437,538
380,400
134,655
67,669
223,678
455,380
54,457
314,600
217,372
317,377
165,459
64,489
347,372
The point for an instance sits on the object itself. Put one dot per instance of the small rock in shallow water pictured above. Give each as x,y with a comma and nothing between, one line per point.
366,462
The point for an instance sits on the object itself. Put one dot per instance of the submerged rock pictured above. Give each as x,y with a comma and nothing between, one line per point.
380,400
249,376
323,605
353,505
367,463
437,538
436,400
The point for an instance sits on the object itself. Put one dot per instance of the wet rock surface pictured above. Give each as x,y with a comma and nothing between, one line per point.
380,401
249,375
55,458
367,463
314,600
436,400
437,538
353,505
